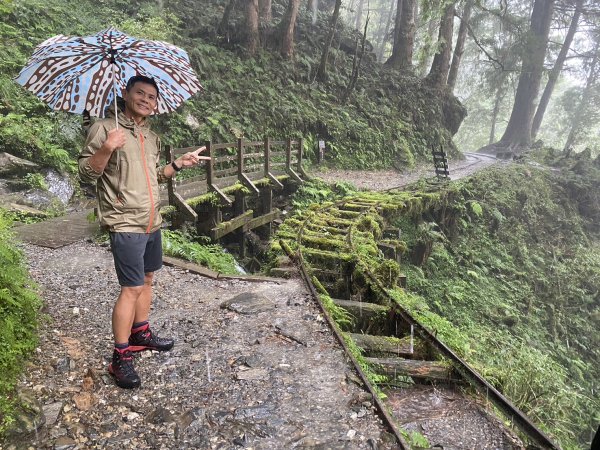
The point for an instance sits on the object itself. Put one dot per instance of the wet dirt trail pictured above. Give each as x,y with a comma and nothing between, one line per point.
255,365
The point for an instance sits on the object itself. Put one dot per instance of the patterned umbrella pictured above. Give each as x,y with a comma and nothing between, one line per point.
75,74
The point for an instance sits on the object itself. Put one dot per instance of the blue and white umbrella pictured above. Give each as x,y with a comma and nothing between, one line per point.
75,74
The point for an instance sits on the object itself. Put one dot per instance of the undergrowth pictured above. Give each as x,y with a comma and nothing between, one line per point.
19,313
184,245
518,273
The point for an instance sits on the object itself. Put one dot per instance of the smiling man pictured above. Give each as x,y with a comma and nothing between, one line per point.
123,161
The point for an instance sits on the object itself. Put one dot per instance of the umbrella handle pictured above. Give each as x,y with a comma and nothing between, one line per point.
115,95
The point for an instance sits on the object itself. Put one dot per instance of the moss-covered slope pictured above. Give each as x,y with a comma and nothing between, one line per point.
389,119
519,273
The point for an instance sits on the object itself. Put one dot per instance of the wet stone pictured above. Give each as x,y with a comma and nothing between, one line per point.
160,415
63,365
65,443
51,412
29,418
248,303
254,412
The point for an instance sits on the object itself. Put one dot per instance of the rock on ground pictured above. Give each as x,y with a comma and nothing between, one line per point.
232,380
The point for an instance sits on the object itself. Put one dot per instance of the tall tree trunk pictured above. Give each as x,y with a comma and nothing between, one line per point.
322,70
356,64
425,62
585,98
265,10
224,24
518,131
407,34
359,13
288,23
252,38
313,6
438,74
384,37
393,60
500,91
459,48
556,69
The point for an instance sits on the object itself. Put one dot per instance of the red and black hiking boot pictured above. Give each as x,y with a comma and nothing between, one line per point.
121,368
146,340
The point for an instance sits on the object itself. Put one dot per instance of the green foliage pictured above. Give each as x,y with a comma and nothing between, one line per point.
19,309
374,378
317,191
35,139
151,24
342,317
415,439
182,245
520,278
36,181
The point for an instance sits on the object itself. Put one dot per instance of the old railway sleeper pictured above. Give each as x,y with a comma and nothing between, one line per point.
338,247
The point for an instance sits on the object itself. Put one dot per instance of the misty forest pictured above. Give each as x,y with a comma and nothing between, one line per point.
499,262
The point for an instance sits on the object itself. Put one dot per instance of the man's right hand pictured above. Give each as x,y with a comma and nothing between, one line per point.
115,139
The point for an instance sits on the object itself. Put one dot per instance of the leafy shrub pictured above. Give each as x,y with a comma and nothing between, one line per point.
19,309
182,245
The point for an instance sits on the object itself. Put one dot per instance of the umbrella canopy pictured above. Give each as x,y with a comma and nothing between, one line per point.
75,74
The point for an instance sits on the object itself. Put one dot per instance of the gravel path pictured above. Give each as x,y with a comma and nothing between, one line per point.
264,373
379,180
275,379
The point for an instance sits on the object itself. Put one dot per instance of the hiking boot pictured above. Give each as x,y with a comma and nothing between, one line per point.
121,368
146,340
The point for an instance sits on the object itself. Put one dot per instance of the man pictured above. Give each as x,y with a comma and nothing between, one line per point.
123,162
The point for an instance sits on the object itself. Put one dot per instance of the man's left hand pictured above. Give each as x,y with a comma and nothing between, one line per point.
190,159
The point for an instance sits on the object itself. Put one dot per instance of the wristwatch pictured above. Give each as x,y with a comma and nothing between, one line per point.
175,168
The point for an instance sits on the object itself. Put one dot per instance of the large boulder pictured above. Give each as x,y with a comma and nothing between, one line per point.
11,165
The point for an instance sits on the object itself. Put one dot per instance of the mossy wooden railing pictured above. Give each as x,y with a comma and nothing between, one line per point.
238,173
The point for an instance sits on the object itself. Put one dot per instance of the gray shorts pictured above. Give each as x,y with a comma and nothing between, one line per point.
136,254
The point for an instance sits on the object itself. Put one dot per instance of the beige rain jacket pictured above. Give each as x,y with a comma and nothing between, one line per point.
127,190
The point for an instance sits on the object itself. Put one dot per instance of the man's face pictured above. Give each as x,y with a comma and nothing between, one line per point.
140,100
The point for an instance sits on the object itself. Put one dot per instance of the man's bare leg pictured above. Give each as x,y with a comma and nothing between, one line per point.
142,306
142,338
124,312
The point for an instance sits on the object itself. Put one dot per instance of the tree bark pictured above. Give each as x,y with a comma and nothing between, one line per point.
585,98
359,13
459,48
322,70
288,23
356,64
407,34
252,37
384,37
518,131
438,74
394,57
224,24
265,10
556,69
313,6
497,101
425,63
